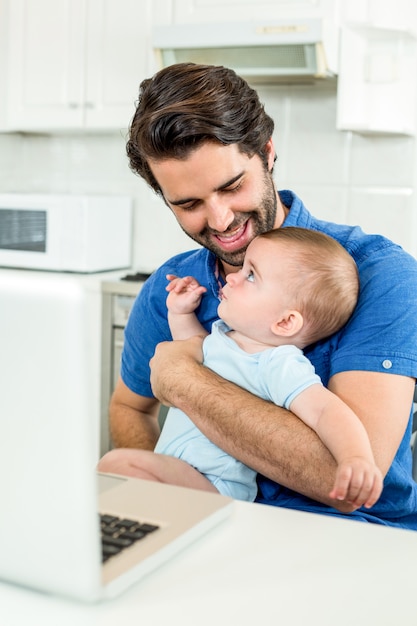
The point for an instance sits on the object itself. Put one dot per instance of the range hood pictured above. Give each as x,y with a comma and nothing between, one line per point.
293,50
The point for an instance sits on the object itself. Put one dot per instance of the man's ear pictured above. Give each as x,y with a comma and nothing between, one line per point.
270,153
289,325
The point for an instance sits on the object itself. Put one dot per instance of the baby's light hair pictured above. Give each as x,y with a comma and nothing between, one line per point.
323,279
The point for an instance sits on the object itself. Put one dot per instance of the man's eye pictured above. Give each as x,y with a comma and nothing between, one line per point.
250,276
235,188
188,207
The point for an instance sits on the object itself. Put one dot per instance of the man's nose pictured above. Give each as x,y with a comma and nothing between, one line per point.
219,216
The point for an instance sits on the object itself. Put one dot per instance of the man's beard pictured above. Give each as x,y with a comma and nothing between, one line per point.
263,219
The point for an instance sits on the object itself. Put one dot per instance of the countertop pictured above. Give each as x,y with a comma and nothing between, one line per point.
264,565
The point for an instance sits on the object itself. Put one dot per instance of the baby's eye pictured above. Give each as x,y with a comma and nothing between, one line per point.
250,276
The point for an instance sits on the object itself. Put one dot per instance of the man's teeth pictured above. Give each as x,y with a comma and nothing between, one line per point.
231,236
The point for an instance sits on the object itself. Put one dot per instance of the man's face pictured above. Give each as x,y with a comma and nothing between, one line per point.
221,198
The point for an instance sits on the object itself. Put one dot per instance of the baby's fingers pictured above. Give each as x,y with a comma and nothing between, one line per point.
173,280
365,487
375,490
341,483
178,285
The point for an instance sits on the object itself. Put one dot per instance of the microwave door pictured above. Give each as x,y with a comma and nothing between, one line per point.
23,230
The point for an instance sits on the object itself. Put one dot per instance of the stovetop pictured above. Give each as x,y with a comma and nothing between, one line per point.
126,284
139,277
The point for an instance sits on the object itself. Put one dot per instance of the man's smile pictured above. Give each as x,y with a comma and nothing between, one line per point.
235,239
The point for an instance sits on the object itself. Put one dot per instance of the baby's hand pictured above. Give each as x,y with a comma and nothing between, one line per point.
358,482
184,294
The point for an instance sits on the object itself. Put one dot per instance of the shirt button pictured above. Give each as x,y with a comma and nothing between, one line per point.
387,364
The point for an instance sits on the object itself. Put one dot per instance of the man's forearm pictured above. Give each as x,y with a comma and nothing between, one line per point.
265,437
128,429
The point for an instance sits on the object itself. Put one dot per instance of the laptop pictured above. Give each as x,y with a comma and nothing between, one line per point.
51,494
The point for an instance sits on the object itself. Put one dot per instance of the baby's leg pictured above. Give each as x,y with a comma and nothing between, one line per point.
152,466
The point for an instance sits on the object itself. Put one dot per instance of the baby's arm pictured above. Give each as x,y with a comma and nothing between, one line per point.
184,296
358,479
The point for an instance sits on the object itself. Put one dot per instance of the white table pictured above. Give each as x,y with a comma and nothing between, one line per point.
263,566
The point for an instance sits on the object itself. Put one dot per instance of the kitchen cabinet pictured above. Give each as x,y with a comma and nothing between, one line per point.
398,15
183,11
72,64
377,92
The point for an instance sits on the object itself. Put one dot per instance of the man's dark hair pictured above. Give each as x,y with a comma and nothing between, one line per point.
185,105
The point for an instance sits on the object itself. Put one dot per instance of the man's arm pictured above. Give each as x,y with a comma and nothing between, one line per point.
270,439
133,419
382,402
358,479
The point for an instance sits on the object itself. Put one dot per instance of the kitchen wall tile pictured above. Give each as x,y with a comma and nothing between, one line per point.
324,202
11,162
383,160
387,211
45,164
156,234
316,152
98,164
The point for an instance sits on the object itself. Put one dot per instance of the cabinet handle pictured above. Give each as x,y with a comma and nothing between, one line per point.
73,105
89,105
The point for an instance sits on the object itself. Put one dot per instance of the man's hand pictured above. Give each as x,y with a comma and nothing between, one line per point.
168,355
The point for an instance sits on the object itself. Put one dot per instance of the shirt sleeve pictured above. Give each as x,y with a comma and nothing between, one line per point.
382,333
146,327
286,372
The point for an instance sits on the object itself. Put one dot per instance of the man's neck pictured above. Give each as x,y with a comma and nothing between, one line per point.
282,212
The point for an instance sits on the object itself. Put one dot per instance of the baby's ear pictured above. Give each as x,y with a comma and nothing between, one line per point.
290,324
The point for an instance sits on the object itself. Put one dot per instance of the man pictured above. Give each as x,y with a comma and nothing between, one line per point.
202,140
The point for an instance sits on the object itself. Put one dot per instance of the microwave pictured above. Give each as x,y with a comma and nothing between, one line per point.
67,233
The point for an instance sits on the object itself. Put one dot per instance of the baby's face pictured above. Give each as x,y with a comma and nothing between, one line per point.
256,296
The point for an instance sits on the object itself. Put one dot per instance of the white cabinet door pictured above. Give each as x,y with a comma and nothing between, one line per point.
117,59
44,56
75,64
399,15
231,10
377,92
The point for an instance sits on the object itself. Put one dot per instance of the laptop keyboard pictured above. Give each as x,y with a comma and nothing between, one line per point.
117,534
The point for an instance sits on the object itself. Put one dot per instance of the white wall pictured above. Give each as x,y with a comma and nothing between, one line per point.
342,176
